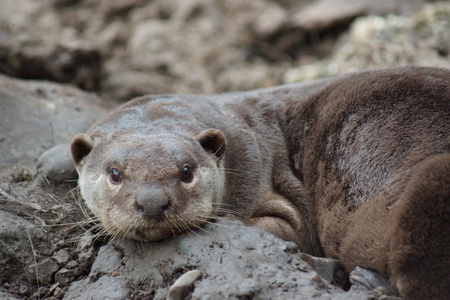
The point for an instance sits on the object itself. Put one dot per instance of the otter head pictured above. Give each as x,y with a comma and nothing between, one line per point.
148,187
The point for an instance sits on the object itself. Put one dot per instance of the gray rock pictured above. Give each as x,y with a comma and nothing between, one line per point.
37,46
270,21
8,296
180,289
329,269
324,14
361,278
65,276
62,257
36,116
85,250
108,260
106,288
56,164
72,264
236,262
44,270
13,227
380,42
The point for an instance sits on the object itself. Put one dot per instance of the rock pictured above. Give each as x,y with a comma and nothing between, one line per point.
72,264
58,293
44,270
62,257
37,46
361,278
236,262
8,296
182,286
85,250
124,49
56,164
270,21
13,227
17,236
329,269
41,292
36,116
325,14
381,42
65,276
107,261
106,288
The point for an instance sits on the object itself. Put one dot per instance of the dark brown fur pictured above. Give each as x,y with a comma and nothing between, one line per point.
370,149
355,167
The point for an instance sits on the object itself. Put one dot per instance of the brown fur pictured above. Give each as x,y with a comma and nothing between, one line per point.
355,167
419,252
360,146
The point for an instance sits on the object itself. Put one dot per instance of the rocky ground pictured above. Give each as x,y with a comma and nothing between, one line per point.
95,54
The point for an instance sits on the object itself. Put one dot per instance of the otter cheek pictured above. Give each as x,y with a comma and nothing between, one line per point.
219,184
107,191
215,185
208,186
88,191
100,192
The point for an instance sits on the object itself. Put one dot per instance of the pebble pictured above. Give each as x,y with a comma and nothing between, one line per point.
183,284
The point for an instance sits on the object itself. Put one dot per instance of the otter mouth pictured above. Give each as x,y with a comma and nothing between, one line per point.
132,225
143,235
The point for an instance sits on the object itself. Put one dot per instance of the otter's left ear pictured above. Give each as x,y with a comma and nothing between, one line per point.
80,147
213,140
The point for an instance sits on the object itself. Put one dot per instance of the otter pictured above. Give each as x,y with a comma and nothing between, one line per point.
355,167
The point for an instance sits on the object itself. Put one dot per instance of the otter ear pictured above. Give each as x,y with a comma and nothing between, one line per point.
80,147
213,140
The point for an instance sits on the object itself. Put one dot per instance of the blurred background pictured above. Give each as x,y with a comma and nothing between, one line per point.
125,48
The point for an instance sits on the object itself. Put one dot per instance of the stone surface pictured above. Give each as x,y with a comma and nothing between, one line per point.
56,164
37,116
85,250
106,288
44,270
324,14
236,262
65,277
381,42
128,48
62,257
361,278
329,269
183,285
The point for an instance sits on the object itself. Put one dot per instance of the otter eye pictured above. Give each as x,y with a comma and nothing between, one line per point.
186,174
116,176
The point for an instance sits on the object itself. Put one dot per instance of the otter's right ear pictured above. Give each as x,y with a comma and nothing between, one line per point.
80,147
213,140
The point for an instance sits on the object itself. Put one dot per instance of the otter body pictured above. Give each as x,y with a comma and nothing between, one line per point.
356,167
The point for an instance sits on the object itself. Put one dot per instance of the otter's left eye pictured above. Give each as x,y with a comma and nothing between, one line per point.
186,174
116,176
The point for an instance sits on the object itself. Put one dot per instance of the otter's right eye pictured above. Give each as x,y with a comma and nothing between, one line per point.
186,174
116,176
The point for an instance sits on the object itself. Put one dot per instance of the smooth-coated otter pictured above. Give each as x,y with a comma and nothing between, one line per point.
356,167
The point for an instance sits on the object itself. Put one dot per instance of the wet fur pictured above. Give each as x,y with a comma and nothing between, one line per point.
355,167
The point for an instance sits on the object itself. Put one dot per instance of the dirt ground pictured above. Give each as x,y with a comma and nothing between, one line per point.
95,54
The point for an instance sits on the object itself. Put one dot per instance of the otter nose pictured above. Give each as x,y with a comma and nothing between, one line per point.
152,203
